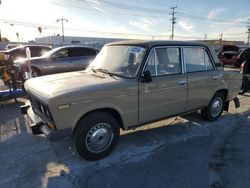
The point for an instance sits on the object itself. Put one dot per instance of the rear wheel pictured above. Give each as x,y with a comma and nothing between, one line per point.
35,72
215,108
96,135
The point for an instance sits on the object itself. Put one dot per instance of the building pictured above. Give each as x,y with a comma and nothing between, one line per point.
70,40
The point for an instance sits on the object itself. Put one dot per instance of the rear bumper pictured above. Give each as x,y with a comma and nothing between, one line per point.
40,127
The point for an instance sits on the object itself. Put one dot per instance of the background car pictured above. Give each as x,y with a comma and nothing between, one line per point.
242,56
228,55
61,59
245,69
20,51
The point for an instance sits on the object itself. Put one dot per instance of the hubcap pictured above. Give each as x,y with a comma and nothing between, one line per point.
99,137
216,107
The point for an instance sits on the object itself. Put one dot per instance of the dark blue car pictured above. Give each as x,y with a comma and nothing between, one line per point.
61,59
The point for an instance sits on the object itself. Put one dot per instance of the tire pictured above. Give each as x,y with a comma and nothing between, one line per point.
96,127
34,72
215,108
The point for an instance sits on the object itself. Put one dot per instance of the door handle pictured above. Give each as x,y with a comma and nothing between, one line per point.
182,82
215,77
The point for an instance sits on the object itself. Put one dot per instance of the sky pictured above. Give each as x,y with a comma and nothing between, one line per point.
142,19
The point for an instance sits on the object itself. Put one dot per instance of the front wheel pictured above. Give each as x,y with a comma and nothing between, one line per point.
215,108
96,135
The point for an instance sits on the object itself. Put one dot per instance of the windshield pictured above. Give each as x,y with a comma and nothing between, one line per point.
120,60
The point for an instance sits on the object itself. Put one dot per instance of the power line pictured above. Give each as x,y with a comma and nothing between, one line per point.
133,35
184,14
129,7
234,34
28,24
203,17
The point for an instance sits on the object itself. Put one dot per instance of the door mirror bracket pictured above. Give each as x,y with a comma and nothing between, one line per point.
146,77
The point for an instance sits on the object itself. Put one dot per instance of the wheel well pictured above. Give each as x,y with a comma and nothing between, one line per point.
224,92
110,111
36,69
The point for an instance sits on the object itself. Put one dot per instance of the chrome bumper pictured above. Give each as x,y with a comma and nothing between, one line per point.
39,127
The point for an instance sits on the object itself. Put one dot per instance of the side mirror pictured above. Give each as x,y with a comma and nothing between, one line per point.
146,77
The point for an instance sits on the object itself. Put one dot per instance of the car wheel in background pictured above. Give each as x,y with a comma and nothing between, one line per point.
96,135
215,108
35,72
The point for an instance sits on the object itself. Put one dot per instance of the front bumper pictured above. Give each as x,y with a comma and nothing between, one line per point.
38,126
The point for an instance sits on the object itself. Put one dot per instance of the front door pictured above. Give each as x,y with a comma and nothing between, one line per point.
166,94
60,61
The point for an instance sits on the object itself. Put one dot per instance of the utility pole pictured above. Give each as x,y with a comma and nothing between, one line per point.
221,36
173,19
248,36
62,20
205,37
248,33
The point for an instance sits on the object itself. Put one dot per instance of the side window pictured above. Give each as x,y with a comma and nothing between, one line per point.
63,53
197,59
151,63
83,52
35,51
89,52
18,53
168,61
208,61
44,50
164,61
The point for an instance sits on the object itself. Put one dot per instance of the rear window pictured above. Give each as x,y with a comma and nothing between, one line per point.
197,59
37,51
83,52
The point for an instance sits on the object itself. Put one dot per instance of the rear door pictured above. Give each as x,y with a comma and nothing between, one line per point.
166,94
202,76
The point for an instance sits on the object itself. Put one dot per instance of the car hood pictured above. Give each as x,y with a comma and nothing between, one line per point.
71,83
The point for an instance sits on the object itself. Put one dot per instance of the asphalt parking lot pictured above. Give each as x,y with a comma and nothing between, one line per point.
178,152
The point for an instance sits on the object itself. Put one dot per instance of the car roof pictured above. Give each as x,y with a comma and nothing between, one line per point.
151,43
76,46
28,45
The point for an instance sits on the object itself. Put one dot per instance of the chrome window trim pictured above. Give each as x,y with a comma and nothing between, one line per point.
205,51
152,50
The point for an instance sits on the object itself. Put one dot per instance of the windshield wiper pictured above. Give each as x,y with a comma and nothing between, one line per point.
103,71
94,70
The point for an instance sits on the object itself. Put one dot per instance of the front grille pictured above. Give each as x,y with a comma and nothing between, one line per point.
41,108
